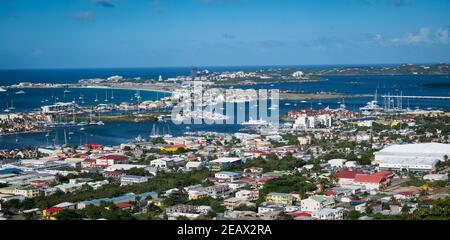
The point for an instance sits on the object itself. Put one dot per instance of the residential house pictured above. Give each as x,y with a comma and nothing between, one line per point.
162,163
329,214
227,176
283,198
218,191
130,179
316,203
249,195
189,211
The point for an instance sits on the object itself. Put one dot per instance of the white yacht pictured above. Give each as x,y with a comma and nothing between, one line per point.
21,92
372,107
2,90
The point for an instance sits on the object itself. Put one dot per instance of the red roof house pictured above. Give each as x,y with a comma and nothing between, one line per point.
371,182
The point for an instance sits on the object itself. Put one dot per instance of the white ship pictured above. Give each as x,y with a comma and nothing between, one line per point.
2,90
21,92
372,107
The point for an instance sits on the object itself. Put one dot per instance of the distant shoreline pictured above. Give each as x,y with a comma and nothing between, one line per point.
63,86
135,88
166,90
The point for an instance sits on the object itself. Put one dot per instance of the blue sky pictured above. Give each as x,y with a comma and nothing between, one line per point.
148,33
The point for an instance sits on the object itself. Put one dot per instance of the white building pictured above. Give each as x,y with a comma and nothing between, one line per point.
162,163
337,163
436,177
350,164
329,214
247,195
307,122
129,179
58,108
412,157
193,165
298,74
218,191
189,211
316,203
228,176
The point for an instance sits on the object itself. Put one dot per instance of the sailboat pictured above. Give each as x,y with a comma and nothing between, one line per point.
7,108
91,121
112,94
96,98
342,105
65,138
106,99
73,122
12,106
100,123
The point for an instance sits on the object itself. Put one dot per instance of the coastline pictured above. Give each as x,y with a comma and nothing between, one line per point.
131,88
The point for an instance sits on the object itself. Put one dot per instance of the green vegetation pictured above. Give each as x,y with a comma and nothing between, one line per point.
106,210
431,124
175,198
286,184
416,182
93,176
136,172
208,201
353,215
273,163
364,157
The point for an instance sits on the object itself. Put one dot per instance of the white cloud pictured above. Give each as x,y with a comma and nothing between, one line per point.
421,37
378,37
442,35
424,35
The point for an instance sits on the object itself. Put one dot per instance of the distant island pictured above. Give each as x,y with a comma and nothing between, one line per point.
403,69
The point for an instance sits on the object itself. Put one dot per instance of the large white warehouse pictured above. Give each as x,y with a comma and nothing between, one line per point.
412,157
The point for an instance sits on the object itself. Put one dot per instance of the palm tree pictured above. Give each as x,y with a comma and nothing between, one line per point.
333,178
